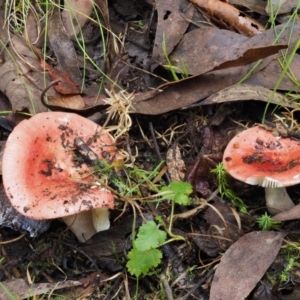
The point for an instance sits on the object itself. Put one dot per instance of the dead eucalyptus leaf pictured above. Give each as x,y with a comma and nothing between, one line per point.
229,17
244,264
70,101
171,25
186,92
291,214
63,47
79,104
268,75
246,92
20,289
281,6
206,49
21,77
75,15
222,232
255,5
179,94
33,30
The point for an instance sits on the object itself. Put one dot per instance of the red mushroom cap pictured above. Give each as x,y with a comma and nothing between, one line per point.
256,156
41,178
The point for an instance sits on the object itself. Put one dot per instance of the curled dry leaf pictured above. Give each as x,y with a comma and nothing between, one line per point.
73,103
65,85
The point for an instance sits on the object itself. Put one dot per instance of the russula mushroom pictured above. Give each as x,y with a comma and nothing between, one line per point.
257,157
47,171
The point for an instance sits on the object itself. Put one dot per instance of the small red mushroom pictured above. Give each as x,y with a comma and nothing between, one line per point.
257,157
47,170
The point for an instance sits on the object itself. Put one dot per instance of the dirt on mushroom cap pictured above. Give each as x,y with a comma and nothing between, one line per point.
41,176
257,152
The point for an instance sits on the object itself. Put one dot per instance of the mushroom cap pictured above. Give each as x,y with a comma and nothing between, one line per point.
257,157
42,176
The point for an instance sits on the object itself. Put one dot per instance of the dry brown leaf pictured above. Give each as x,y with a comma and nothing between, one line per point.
33,29
248,92
291,214
64,83
171,25
85,106
255,5
206,49
175,163
185,92
71,101
281,6
22,290
229,17
63,47
244,264
268,76
75,14
21,77
222,229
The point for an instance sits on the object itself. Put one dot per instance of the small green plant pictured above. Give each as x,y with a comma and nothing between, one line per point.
145,254
184,72
265,222
285,273
129,184
225,190
291,255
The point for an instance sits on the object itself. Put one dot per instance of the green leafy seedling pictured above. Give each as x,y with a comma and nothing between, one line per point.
178,192
145,254
149,236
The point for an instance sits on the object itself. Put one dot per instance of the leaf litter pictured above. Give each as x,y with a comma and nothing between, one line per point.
180,62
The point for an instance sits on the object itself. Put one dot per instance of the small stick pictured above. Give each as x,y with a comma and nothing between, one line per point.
52,83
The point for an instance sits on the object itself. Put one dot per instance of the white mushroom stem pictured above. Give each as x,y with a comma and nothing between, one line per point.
100,217
87,223
81,225
278,200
